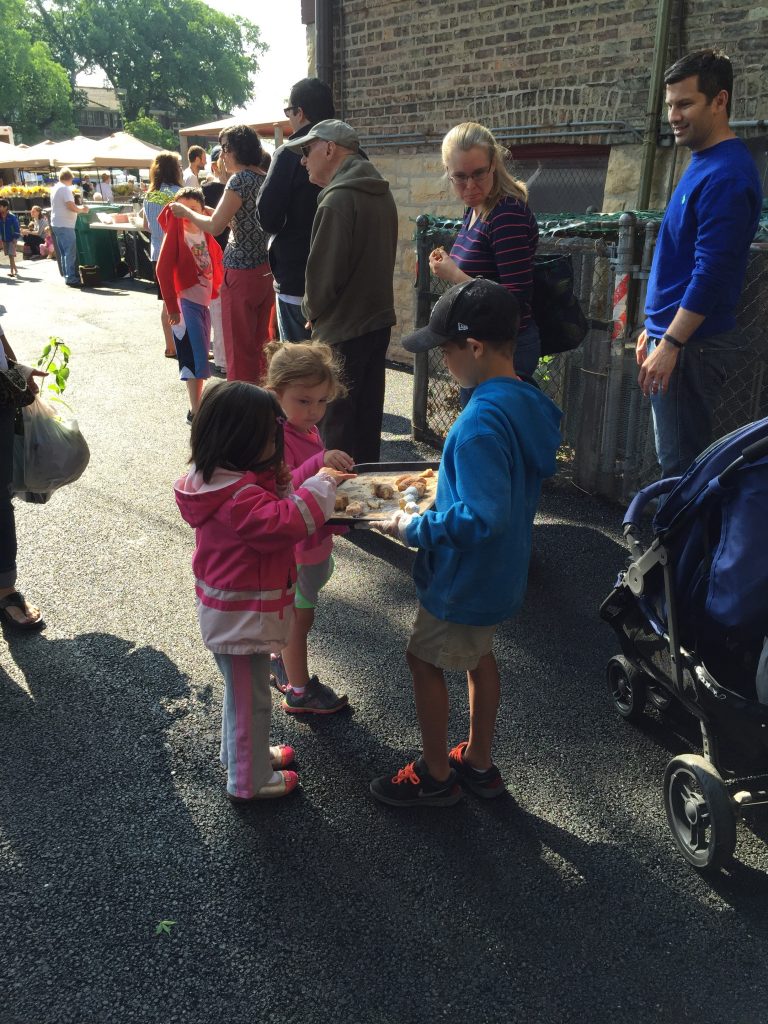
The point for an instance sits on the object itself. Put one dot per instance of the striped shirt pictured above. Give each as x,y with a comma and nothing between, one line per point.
501,248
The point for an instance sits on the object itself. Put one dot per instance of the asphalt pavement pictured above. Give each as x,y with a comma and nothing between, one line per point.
566,902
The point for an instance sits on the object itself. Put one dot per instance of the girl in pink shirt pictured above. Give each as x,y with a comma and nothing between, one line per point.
306,377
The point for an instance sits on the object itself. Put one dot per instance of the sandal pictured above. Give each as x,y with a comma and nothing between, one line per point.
16,600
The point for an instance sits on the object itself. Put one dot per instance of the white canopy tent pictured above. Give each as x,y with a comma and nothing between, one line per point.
26,156
124,150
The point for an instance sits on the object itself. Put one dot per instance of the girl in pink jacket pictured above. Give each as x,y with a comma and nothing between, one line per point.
248,518
305,378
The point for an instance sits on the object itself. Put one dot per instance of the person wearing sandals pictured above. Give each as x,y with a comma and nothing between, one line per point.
15,611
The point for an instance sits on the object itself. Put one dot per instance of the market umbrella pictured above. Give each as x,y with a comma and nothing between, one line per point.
124,150
9,155
29,156
78,152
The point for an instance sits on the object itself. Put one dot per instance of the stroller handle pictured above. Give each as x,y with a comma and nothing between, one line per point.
641,499
755,451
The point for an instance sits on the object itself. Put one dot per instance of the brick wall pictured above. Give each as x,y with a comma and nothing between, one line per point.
421,67
411,70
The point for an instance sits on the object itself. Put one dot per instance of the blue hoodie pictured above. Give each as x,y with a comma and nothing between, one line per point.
474,546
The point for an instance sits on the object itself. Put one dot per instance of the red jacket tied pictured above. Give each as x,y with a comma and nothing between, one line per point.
176,267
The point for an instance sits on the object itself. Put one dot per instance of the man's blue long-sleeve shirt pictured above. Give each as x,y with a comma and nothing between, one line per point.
703,244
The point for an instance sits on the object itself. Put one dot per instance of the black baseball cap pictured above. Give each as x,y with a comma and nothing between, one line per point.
478,309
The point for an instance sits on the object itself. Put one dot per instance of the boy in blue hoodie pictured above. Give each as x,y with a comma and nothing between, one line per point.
474,546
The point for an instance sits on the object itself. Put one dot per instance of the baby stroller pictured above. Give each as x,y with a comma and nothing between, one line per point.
691,614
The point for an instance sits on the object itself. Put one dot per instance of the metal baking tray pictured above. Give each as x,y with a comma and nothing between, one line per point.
380,469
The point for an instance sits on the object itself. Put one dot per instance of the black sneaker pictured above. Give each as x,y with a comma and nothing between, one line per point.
413,786
487,784
190,417
317,699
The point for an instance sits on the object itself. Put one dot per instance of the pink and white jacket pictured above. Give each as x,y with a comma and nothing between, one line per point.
305,456
244,563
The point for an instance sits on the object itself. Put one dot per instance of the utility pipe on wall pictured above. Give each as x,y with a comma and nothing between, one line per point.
324,41
650,134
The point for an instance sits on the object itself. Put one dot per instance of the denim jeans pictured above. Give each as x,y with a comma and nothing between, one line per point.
66,247
7,522
683,416
290,322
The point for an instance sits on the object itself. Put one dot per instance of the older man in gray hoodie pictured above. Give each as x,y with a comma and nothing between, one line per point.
349,297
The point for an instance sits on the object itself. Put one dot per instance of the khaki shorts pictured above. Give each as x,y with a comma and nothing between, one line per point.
449,644
10,248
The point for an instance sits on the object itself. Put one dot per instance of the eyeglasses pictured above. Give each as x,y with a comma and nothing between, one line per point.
289,110
225,148
462,180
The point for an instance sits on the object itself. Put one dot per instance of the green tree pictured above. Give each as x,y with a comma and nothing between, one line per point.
178,54
148,129
35,95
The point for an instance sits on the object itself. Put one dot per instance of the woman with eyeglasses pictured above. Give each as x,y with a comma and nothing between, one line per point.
499,234
247,294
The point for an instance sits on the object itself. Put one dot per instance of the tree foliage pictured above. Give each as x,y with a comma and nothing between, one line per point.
35,95
148,129
177,55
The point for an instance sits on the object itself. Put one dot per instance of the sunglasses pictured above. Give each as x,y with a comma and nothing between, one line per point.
289,110
307,149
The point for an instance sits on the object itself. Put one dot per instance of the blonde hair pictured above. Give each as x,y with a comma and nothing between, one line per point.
470,134
66,175
312,361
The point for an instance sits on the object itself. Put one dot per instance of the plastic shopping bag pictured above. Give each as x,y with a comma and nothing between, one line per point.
54,452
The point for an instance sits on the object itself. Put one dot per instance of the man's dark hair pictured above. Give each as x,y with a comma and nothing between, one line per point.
315,99
714,71
244,143
4,203
232,428
190,192
194,152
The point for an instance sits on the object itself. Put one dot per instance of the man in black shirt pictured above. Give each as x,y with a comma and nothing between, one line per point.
287,204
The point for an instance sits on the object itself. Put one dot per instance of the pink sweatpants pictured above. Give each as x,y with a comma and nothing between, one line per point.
247,298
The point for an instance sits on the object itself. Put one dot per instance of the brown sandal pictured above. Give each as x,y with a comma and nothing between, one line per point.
16,600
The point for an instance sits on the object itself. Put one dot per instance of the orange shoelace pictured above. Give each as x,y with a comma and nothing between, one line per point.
407,774
458,751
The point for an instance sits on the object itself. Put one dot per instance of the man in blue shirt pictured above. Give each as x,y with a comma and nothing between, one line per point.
691,344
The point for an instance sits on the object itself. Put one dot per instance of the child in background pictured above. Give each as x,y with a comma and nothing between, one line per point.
189,273
10,233
305,378
474,546
247,519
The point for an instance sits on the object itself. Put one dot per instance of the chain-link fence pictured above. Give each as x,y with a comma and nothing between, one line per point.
607,424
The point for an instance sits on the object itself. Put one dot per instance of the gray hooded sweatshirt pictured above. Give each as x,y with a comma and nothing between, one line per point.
352,255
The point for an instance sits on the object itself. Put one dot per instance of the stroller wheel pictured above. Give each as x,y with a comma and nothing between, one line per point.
699,812
659,697
627,688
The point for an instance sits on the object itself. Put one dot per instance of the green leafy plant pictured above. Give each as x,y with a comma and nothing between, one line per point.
54,360
164,927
